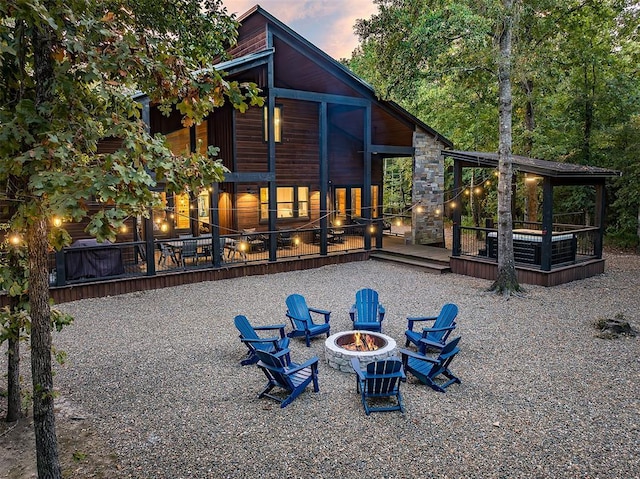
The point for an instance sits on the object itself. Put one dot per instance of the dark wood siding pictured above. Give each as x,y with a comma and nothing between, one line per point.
298,155
251,149
252,37
221,133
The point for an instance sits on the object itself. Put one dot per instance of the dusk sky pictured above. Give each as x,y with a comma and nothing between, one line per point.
328,24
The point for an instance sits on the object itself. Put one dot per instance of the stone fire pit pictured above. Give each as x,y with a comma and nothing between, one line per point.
339,357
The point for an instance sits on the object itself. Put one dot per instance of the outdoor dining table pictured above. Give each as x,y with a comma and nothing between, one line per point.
203,244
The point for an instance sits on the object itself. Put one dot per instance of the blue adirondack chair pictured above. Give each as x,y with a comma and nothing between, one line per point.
250,337
428,369
380,379
301,320
367,313
436,336
281,372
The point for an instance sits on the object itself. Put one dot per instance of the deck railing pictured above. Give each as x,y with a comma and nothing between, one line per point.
570,244
82,264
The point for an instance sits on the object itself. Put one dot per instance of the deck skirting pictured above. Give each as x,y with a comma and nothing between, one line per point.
166,280
484,269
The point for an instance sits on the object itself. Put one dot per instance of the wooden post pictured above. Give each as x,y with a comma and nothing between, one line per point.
547,224
457,212
366,193
598,220
324,176
150,244
216,250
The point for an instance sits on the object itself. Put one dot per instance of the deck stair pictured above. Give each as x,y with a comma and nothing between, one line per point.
432,260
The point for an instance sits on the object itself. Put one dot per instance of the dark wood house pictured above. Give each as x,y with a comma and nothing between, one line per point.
312,157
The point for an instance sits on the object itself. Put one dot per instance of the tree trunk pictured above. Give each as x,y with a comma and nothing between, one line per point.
43,414
638,228
13,380
507,280
13,352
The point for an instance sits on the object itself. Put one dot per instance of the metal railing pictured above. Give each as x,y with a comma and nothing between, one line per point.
570,244
108,261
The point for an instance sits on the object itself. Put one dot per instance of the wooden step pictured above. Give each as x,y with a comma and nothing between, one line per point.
430,265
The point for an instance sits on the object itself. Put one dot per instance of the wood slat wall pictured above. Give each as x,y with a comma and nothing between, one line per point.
251,149
252,37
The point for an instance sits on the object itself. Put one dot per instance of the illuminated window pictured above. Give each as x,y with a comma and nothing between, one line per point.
352,196
182,207
277,122
292,202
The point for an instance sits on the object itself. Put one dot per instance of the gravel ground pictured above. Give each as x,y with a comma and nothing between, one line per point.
158,374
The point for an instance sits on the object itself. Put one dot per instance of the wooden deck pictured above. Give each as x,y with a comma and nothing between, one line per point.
429,258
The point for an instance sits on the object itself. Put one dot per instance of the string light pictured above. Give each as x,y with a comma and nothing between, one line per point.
57,222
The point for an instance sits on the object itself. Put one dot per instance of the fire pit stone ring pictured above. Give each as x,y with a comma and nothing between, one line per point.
339,357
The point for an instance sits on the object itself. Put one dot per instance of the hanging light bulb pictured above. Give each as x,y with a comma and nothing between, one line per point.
57,222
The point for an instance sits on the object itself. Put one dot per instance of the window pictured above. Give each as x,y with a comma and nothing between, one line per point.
352,196
277,123
182,215
292,202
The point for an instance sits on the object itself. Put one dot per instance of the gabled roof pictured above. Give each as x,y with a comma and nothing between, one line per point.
553,169
317,55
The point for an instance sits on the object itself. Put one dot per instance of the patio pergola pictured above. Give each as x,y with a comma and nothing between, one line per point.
541,248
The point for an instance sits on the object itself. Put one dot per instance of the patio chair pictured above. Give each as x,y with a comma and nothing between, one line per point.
291,377
436,336
428,369
249,336
367,313
189,249
380,379
301,319
285,240
166,251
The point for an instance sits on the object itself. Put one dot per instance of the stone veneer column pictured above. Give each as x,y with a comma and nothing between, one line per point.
428,191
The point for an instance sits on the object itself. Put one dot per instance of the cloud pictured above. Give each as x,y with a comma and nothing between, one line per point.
328,24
